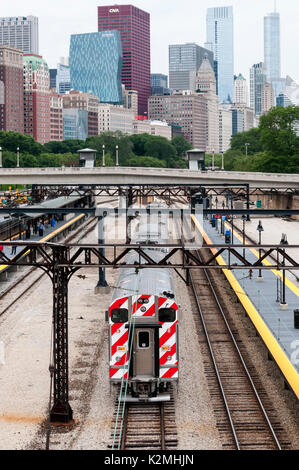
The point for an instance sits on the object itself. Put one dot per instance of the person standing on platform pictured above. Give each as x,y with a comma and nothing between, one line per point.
41,229
1,251
53,222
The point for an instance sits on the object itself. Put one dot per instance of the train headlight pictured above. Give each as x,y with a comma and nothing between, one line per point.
165,348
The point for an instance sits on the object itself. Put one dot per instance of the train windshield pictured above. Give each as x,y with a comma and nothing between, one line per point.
119,315
167,315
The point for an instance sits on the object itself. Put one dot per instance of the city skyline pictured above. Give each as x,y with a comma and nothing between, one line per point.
55,31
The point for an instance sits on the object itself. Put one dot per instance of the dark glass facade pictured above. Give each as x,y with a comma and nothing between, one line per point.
134,26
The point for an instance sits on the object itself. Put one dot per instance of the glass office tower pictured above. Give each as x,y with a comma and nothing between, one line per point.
96,65
272,45
220,40
184,62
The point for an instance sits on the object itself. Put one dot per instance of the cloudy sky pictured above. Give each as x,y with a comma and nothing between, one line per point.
172,21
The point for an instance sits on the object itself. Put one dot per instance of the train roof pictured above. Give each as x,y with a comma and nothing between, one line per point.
56,203
144,281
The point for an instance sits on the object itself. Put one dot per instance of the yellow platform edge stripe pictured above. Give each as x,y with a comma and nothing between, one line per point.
280,357
289,283
52,234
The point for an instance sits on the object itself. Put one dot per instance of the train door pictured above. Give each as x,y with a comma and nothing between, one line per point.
143,352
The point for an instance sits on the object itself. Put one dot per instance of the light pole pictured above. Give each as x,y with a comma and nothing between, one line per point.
104,164
244,223
222,153
117,162
0,157
213,160
260,229
284,305
246,146
18,157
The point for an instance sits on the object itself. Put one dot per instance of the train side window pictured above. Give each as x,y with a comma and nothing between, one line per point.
167,315
143,339
119,315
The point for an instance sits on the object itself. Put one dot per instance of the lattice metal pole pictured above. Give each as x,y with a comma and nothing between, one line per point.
61,411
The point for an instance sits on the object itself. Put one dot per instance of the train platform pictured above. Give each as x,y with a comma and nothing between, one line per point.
48,235
262,302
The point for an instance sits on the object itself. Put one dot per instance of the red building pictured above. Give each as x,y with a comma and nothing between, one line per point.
37,98
134,26
11,90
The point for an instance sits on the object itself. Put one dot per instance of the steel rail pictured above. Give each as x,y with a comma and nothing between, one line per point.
262,408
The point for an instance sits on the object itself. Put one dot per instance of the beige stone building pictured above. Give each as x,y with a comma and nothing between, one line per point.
267,98
157,128
185,109
114,118
206,86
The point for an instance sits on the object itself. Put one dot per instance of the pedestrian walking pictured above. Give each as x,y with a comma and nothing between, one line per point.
41,229
13,250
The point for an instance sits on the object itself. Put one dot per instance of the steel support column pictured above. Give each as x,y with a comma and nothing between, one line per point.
61,411
101,234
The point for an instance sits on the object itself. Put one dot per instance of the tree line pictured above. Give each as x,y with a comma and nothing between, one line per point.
134,150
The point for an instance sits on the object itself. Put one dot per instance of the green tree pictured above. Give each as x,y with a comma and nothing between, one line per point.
251,137
181,145
11,140
277,131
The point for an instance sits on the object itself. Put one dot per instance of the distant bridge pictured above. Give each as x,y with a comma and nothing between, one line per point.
144,176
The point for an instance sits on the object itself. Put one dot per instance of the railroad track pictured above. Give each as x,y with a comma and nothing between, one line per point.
245,416
143,426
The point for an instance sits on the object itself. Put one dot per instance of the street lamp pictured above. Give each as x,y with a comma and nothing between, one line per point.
117,162
213,160
246,146
260,229
222,153
0,157
104,164
284,305
18,157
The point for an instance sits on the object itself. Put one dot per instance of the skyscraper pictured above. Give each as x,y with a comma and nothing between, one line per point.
134,26
272,45
184,62
159,84
20,32
241,90
37,98
206,85
11,90
63,78
220,40
96,64
258,78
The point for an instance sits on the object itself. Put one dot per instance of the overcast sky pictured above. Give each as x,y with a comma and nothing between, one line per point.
172,21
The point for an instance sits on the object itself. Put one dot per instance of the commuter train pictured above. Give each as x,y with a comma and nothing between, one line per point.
144,322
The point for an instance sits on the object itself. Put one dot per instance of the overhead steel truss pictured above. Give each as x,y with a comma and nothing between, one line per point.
60,262
144,190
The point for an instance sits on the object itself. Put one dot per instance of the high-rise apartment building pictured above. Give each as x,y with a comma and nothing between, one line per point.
184,62
220,40
225,127
56,117
206,86
267,98
258,78
96,64
37,98
87,101
21,33
11,90
241,90
134,27
185,109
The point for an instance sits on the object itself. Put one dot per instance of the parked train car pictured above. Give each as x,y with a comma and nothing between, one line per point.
13,226
144,323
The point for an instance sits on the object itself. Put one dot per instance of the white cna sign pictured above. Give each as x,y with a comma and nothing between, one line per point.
114,10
